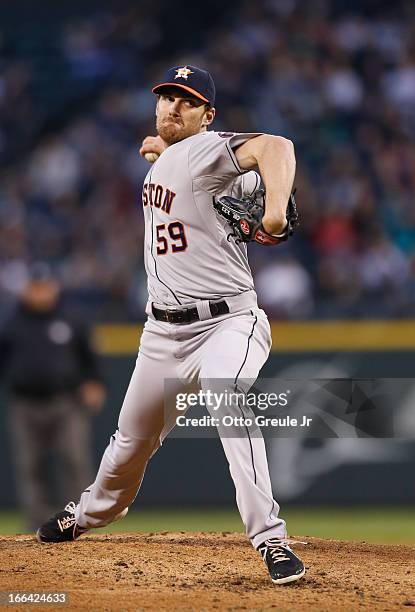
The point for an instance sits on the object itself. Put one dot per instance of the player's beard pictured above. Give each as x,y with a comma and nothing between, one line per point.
172,129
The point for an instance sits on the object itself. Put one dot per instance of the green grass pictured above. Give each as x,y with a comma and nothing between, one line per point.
388,525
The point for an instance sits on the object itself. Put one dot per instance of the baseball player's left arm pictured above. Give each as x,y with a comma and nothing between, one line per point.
275,158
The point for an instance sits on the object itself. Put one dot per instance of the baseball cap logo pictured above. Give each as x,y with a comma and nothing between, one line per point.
183,73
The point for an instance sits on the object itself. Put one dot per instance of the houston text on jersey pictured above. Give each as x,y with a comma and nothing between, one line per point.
158,196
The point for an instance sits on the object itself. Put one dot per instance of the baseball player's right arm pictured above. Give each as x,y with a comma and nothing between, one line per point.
153,144
274,156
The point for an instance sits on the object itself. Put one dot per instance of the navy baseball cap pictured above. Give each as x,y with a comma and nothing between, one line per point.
192,79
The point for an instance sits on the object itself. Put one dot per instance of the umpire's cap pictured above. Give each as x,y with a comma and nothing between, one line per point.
41,271
192,79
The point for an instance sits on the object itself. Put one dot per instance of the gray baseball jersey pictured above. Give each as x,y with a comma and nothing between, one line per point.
189,253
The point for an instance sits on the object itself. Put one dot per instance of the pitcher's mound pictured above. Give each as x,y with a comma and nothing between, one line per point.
205,571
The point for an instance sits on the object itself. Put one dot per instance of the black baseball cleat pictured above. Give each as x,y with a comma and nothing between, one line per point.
61,528
283,565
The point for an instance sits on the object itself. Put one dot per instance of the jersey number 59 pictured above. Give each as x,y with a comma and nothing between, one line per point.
177,236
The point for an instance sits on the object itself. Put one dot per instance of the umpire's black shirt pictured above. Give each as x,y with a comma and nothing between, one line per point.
45,353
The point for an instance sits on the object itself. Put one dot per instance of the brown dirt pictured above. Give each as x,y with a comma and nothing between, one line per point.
205,571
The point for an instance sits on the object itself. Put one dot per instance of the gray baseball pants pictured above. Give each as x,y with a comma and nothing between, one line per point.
233,347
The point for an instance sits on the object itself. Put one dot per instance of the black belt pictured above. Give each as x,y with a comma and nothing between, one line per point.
188,315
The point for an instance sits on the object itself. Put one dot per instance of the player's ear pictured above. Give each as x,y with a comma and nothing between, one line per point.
209,116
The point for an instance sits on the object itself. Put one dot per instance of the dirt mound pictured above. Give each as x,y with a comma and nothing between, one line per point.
205,571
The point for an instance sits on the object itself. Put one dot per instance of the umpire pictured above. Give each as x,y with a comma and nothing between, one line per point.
54,386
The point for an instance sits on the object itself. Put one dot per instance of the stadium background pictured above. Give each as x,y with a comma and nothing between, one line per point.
338,78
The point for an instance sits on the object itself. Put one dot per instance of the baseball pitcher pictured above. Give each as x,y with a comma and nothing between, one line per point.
201,205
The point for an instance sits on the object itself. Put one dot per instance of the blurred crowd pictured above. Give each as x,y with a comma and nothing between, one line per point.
335,77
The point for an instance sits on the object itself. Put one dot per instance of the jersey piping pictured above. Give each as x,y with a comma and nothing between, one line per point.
152,253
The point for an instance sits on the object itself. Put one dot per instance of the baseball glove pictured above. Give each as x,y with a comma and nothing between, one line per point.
245,217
